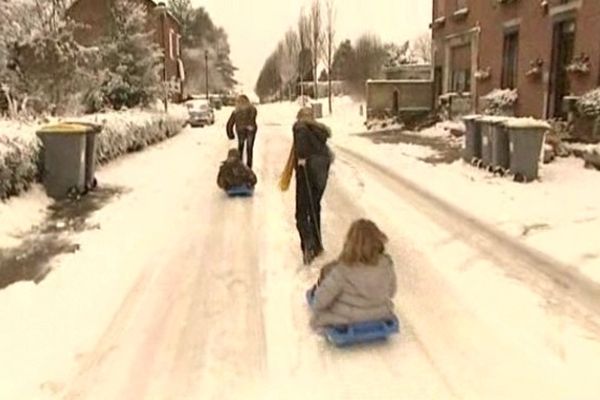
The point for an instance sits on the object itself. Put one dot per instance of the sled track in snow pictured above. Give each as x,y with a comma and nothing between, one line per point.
499,246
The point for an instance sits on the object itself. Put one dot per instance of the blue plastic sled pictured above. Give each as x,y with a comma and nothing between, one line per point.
240,191
361,332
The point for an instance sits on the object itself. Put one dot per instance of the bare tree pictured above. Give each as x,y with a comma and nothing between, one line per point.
330,15
304,34
421,47
316,40
288,52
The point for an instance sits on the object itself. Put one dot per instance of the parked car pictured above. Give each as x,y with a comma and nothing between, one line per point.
200,113
216,103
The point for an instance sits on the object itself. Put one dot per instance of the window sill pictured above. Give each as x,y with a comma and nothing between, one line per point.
438,23
565,8
460,15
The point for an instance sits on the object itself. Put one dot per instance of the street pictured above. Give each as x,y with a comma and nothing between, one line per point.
199,296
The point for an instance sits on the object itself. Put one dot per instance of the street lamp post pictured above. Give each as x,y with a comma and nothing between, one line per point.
162,10
206,70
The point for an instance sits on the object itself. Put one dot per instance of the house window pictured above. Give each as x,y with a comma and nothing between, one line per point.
510,60
172,44
460,73
461,4
178,45
461,80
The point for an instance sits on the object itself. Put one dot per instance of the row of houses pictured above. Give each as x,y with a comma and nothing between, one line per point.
545,49
95,18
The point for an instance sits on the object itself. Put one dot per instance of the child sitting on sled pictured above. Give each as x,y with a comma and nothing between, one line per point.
360,284
234,173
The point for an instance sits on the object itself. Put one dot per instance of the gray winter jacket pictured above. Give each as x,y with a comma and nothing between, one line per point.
355,294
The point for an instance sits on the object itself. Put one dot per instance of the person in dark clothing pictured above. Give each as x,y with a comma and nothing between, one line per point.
234,172
313,159
243,118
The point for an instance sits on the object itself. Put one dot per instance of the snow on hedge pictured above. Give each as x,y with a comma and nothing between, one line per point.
19,149
499,101
589,104
123,132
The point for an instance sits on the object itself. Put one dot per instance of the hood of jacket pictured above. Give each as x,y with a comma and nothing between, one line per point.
320,130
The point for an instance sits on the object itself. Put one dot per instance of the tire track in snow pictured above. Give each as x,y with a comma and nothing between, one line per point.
516,258
480,360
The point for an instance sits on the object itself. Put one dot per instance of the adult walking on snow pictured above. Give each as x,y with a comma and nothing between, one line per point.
310,158
243,118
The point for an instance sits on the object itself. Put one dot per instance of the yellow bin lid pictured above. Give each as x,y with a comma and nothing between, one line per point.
66,128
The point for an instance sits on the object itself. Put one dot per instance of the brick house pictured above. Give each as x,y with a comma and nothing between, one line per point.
95,16
534,46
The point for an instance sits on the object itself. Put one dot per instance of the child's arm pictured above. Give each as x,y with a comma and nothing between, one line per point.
221,178
329,289
326,269
229,126
392,283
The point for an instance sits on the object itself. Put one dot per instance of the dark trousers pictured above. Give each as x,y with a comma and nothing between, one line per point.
310,186
246,137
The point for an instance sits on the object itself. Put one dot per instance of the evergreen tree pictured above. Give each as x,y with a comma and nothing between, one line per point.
200,35
131,59
343,59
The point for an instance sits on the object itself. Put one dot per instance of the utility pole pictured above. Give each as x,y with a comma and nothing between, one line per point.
162,10
206,70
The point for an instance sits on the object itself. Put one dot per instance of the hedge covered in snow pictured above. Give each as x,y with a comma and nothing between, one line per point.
122,133
500,101
588,105
19,154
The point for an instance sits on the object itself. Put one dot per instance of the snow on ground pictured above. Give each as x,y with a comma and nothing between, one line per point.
547,214
18,215
184,294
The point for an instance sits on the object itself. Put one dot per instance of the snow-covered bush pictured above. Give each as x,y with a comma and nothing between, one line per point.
588,105
123,132
18,163
500,101
126,132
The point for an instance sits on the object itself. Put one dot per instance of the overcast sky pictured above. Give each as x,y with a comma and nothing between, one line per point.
255,26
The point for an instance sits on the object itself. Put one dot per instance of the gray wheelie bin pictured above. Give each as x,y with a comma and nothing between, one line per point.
317,109
488,124
472,143
500,146
64,159
526,140
90,153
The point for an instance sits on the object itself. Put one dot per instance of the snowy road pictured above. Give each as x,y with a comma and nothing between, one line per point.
210,300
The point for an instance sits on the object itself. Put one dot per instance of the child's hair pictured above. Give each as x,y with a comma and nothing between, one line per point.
305,113
364,243
242,101
233,153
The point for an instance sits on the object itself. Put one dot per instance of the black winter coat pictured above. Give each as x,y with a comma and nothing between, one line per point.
310,140
243,118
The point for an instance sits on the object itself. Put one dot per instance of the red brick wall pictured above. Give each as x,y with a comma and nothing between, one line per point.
535,41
